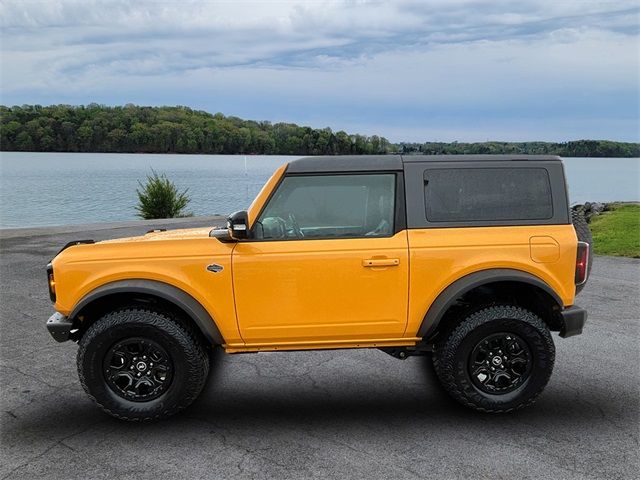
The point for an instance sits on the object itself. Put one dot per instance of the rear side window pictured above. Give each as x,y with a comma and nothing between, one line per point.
487,194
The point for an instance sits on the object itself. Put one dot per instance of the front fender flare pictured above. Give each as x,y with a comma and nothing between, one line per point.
176,296
473,280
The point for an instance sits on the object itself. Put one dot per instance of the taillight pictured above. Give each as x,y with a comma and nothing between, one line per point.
52,283
582,263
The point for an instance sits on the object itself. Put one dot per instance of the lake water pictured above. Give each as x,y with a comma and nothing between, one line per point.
41,189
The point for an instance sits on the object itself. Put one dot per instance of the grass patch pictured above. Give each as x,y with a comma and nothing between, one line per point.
617,232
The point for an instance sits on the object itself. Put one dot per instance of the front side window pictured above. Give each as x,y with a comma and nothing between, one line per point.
329,206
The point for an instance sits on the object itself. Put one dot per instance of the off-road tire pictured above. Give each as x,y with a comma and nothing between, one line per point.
452,353
583,233
187,354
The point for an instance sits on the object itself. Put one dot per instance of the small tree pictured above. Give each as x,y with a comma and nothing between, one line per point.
160,198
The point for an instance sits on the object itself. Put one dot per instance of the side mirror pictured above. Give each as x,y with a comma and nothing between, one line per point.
238,225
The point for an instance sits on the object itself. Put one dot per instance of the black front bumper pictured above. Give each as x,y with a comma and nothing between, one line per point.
59,327
573,320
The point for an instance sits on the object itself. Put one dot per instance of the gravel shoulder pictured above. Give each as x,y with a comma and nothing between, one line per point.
325,414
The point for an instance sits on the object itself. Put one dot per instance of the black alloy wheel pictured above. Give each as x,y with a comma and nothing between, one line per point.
500,363
138,369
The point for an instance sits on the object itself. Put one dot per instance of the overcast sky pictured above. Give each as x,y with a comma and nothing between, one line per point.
409,70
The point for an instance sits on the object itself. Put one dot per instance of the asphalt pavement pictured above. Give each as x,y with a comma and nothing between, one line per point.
324,414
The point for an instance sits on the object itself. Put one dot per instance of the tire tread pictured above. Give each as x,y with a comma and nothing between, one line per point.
196,356
445,352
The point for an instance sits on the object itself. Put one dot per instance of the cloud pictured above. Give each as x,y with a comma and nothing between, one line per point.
383,66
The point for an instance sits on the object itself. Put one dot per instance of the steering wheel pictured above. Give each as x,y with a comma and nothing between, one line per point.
295,226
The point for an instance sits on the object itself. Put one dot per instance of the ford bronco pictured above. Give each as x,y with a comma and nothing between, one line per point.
473,260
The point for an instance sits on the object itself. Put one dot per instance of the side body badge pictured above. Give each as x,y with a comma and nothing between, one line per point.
215,268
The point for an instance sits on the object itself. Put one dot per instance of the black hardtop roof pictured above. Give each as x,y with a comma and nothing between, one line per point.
364,163
345,163
508,157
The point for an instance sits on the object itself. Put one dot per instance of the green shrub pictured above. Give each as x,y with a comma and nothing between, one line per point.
160,198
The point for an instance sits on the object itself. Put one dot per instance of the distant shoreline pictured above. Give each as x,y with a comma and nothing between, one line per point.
181,130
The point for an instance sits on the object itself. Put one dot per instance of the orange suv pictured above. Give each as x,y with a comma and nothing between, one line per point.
471,259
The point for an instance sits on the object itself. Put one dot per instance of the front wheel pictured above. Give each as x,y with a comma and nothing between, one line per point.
498,359
140,364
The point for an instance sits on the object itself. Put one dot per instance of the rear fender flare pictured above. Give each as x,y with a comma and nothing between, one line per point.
467,283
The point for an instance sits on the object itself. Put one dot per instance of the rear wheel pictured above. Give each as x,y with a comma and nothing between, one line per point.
140,364
496,360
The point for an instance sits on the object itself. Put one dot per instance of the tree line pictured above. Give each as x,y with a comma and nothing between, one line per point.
577,148
136,129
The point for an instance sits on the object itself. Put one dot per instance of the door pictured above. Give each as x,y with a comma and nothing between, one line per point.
328,261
